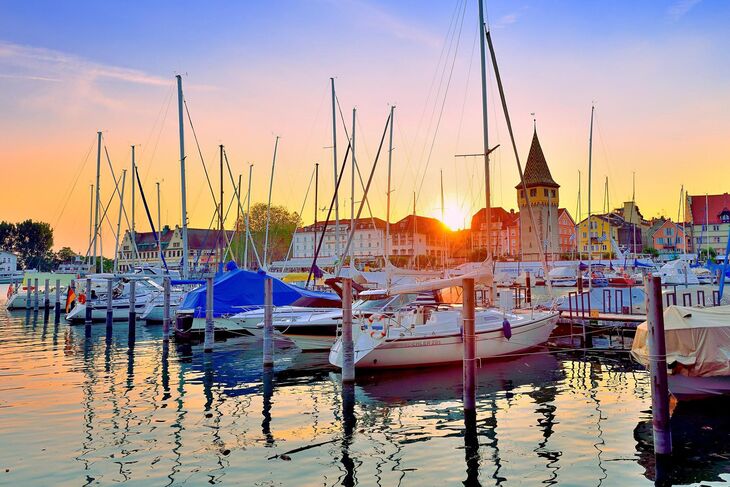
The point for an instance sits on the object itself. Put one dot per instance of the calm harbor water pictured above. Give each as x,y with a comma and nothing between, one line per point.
91,410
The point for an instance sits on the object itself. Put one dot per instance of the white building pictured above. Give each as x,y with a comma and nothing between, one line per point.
368,241
8,262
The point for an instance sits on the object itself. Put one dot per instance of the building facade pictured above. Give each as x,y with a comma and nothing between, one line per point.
416,236
368,240
566,232
708,220
669,237
8,262
544,198
505,232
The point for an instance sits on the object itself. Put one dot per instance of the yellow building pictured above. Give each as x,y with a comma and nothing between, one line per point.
603,228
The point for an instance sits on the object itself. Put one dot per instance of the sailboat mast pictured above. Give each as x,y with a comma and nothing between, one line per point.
387,208
91,222
316,202
238,215
443,219
221,238
119,222
248,212
485,130
590,170
334,161
707,226
184,209
96,206
352,190
133,232
159,222
633,210
415,260
579,217
268,206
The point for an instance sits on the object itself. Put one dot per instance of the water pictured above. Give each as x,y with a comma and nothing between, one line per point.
84,410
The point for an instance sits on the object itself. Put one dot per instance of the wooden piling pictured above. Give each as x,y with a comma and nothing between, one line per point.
87,304
348,347
528,288
268,321
469,337
109,308
57,306
658,367
27,294
35,294
132,311
47,294
166,310
579,282
209,324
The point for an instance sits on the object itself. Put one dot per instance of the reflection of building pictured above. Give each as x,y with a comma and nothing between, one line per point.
543,193
203,245
505,230
367,241
419,235
709,217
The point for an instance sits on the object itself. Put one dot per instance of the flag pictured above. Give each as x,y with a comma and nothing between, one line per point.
10,291
70,298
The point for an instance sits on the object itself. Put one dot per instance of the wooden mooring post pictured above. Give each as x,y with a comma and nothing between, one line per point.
528,289
658,367
166,310
57,306
27,294
132,312
35,294
109,308
469,337
348,347
268,321
209,323
47,294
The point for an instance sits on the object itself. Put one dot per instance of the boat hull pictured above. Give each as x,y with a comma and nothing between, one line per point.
686,388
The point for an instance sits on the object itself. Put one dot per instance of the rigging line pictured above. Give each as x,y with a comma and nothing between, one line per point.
149,215
76,180
106,208
116,190
443,104
301,211
159,134
605,151
236,192
200,153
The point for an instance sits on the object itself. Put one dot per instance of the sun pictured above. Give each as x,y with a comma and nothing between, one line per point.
454,218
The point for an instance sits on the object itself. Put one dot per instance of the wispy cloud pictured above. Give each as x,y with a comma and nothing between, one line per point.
379,17
507,20
679,8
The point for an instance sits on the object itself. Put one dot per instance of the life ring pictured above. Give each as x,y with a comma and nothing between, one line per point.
82,298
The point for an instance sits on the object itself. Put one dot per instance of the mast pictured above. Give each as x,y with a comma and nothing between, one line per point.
387,208
238,215
133,232
590,223
352,190
119,222
707,226
184,209
248,212
334,160
91,222
415,259
681,202
577,242
268,206
221,237
485,134
316,198
159,223
96,206
633,211
443,218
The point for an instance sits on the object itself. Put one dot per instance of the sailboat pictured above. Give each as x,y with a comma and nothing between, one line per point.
427,336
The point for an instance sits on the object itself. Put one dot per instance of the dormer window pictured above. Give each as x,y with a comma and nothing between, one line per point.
725,216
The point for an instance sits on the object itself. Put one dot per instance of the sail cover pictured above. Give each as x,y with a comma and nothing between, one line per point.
237,289
483,275
697,339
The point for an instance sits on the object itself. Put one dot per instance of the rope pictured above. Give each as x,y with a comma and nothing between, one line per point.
202,160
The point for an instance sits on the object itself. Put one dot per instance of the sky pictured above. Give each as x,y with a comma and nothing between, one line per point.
656,71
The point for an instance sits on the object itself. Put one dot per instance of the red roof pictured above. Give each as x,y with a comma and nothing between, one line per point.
707,209
204,239
498,214
423,225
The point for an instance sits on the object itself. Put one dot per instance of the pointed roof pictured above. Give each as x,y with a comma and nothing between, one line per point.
537,172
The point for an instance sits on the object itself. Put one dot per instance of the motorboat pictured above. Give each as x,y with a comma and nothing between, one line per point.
145,291
698,347
563,276
595,278
620,279
704,276
677,272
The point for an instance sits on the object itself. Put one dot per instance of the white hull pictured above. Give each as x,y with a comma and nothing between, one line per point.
422,350
120,312
564,282
693,388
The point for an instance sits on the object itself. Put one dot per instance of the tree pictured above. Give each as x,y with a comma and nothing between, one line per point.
32,241
651,251
7,236
66,255
281,230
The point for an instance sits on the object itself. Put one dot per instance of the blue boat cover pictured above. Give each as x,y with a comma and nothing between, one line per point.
239,288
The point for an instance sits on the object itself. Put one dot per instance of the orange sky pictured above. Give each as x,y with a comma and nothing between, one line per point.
661,111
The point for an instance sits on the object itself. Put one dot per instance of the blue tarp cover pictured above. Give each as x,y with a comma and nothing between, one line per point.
238,288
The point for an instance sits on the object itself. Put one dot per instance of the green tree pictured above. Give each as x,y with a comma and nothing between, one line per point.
651,251
7,236
66,255
281,229
33,242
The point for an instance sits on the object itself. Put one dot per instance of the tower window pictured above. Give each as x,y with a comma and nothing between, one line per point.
522,193
533,192
545,192
552,192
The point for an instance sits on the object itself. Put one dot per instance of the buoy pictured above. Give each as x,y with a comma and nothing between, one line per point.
507,329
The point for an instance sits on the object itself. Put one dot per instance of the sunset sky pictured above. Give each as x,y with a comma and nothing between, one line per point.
658,72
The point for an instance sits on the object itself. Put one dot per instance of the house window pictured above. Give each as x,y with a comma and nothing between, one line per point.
725,218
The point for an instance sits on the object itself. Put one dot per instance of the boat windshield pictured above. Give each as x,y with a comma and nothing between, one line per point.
389,303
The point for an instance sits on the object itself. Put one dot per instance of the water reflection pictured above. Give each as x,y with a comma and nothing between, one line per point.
159,414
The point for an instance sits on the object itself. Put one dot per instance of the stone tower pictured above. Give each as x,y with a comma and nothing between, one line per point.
544,198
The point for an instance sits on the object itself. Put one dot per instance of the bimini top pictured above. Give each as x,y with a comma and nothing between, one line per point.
697,339
238,288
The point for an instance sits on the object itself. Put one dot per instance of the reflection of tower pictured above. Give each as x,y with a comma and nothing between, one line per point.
543,193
